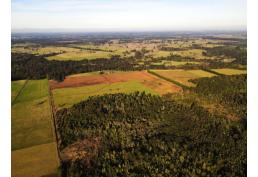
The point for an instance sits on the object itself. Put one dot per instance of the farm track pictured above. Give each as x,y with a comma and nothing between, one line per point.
20,91
54,127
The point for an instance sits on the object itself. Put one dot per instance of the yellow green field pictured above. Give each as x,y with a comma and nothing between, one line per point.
43,50
66,97
183,76
16,87
31,129
35,161
192,53
228,71
68,53
114,47
80,55
158,54
174,63
190,42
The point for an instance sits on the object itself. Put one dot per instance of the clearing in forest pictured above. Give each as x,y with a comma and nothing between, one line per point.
183,76
66,97
78,87
33,143
153,82
229,71
81,55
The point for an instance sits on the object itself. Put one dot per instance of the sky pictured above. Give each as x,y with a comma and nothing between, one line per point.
128,15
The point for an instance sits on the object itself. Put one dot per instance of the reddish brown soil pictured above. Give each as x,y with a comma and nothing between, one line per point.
78,81
159,85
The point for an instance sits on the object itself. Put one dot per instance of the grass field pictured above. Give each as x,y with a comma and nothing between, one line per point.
91,51
31,123
32,132
80,55
183,76
192,53
16,87
80,86
158,54
228,71
43,50
35,89
66,97
174,63
35,161
116,49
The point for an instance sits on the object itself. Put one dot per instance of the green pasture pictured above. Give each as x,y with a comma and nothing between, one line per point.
16,87
40,160
31,119
66,97
183,76
33,147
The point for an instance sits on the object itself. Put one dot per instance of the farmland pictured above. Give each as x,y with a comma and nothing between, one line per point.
32,130
69,96
228,71
183,76
76,88
16,88
129,105
174,63
193,48
81,55
36,160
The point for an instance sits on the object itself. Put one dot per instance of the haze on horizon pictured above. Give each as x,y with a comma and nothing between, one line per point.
128,15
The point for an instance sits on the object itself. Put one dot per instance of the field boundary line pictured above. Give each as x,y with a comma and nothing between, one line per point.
213,72
32,146
169,80
15,98
53,117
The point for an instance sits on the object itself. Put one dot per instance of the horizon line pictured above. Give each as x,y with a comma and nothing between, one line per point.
81,30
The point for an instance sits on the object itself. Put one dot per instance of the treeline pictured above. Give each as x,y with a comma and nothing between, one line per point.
237,52
27,66
140,134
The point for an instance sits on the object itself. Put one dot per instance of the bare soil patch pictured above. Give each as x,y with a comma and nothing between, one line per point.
159,85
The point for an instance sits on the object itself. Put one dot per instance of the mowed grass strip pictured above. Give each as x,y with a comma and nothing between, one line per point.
183,76
31,119
229,71
66,97
16,87
35,161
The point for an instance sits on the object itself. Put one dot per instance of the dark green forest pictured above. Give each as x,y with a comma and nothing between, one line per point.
140,134
230,91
